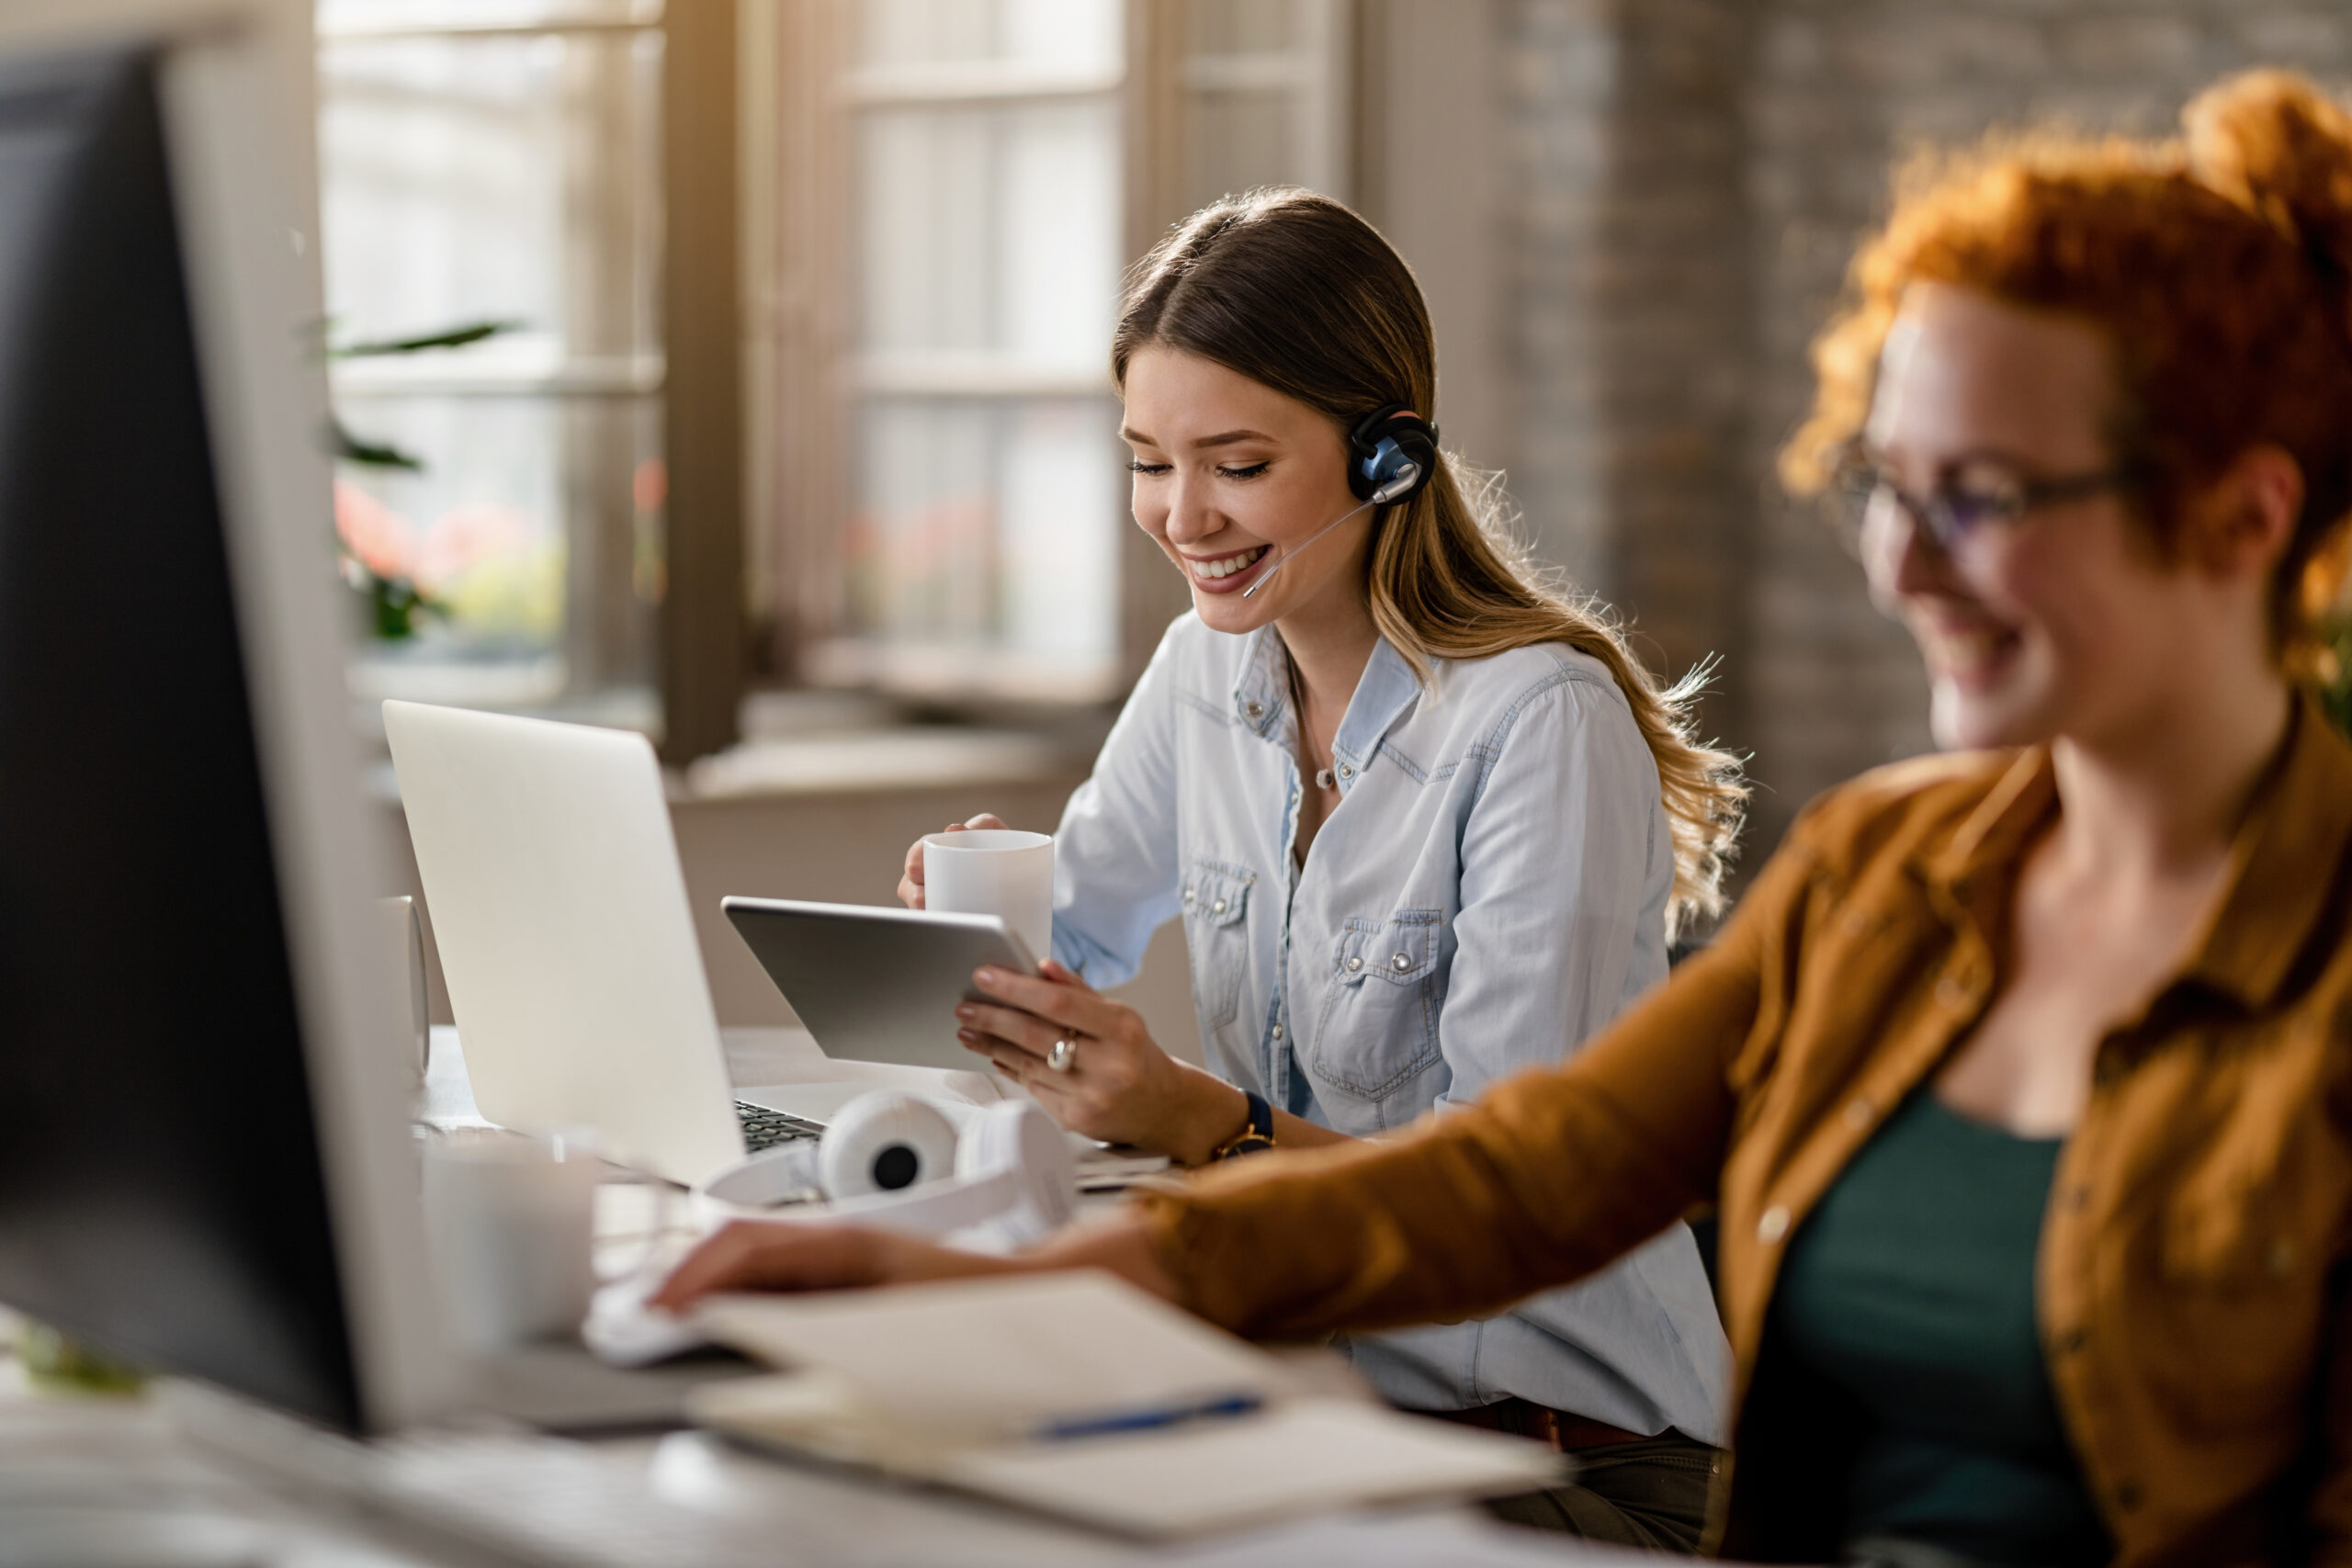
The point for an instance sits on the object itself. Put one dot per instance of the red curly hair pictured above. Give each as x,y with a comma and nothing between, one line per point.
2218,267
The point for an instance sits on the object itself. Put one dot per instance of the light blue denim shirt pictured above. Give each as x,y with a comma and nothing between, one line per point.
1489,891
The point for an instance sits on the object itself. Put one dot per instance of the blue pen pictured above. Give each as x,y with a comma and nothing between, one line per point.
1147,1420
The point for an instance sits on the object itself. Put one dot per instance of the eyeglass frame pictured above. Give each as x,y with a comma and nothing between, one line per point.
1933,514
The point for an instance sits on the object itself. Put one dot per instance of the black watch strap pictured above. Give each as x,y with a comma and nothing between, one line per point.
1257,1135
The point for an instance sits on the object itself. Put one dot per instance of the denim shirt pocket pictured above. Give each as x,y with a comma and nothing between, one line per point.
1216,897
1378,1026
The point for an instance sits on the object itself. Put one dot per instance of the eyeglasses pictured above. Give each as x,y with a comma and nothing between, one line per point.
1981,493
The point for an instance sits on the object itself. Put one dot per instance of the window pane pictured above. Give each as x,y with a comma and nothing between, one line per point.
983,546
497,177
921,558
1061,511
990,229
508,179
1069,34
533,531
924,183
1242,141
990,526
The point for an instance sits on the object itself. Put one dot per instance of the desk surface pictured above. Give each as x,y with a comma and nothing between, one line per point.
116,1479
78,1471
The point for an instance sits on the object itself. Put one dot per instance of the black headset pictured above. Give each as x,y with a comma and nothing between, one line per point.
1392,452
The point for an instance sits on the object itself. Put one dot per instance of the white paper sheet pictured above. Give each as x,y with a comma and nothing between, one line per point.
998,1356
1295,1459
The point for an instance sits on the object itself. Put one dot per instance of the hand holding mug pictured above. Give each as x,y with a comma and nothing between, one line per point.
986,868
911,884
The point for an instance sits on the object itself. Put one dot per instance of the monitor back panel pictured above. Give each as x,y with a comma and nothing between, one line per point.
161,1186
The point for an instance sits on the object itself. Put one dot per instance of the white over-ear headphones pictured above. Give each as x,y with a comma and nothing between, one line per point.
893,1161
883,1142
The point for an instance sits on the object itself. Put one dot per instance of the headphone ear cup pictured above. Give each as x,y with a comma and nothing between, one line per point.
1392,444
1415,443
885,1142
1017,1134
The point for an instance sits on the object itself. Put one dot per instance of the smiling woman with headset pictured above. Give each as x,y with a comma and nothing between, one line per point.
1427,820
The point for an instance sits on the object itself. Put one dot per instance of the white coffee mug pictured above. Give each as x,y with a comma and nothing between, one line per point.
512,1223
994,871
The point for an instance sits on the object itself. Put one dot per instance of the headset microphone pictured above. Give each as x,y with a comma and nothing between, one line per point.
1392,452
1283,559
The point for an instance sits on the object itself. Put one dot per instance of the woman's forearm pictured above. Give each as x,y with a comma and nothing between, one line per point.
1297,1132
1206,1113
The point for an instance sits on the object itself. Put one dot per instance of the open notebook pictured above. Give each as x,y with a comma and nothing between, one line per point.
1078,1396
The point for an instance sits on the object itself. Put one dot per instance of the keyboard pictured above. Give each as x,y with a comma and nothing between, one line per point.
765,1129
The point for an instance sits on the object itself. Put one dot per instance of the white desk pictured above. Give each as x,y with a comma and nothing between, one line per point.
86,1481
120,1480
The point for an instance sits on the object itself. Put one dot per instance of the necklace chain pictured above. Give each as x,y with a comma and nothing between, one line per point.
1323,779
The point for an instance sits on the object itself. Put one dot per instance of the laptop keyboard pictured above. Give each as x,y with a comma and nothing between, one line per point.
765,1129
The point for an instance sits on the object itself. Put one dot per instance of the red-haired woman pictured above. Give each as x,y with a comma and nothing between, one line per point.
2021,1077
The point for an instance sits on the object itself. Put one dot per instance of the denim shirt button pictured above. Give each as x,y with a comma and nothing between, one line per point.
1354,965
1218,908
1188,896
1400,963
1278,1032
1347,770
1256,710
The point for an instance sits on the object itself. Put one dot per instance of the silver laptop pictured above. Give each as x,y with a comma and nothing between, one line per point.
560,912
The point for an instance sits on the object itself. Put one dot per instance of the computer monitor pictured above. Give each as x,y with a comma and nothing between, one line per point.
205,1165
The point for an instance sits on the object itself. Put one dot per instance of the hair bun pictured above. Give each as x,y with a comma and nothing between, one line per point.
2272,143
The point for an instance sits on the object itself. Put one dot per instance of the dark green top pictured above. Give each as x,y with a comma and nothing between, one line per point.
1906,1301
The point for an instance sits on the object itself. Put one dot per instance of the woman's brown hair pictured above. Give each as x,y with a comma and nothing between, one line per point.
1299,294
2218,267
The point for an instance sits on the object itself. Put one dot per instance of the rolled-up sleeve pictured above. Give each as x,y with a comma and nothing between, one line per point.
1551,1176
1558,855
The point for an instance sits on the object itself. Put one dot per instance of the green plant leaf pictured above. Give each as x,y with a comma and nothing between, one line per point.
448,337
372,454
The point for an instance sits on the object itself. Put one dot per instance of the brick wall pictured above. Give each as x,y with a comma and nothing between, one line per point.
1626,264
1687,179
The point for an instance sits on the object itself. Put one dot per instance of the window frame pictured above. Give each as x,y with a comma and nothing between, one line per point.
806,375
695,380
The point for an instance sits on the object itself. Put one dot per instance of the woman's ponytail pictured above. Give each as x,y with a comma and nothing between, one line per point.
2273,143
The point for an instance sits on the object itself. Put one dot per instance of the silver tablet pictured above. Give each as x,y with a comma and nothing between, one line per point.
875,984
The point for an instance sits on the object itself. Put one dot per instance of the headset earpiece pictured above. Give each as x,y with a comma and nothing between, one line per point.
883,1142
894,1162
1392,452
